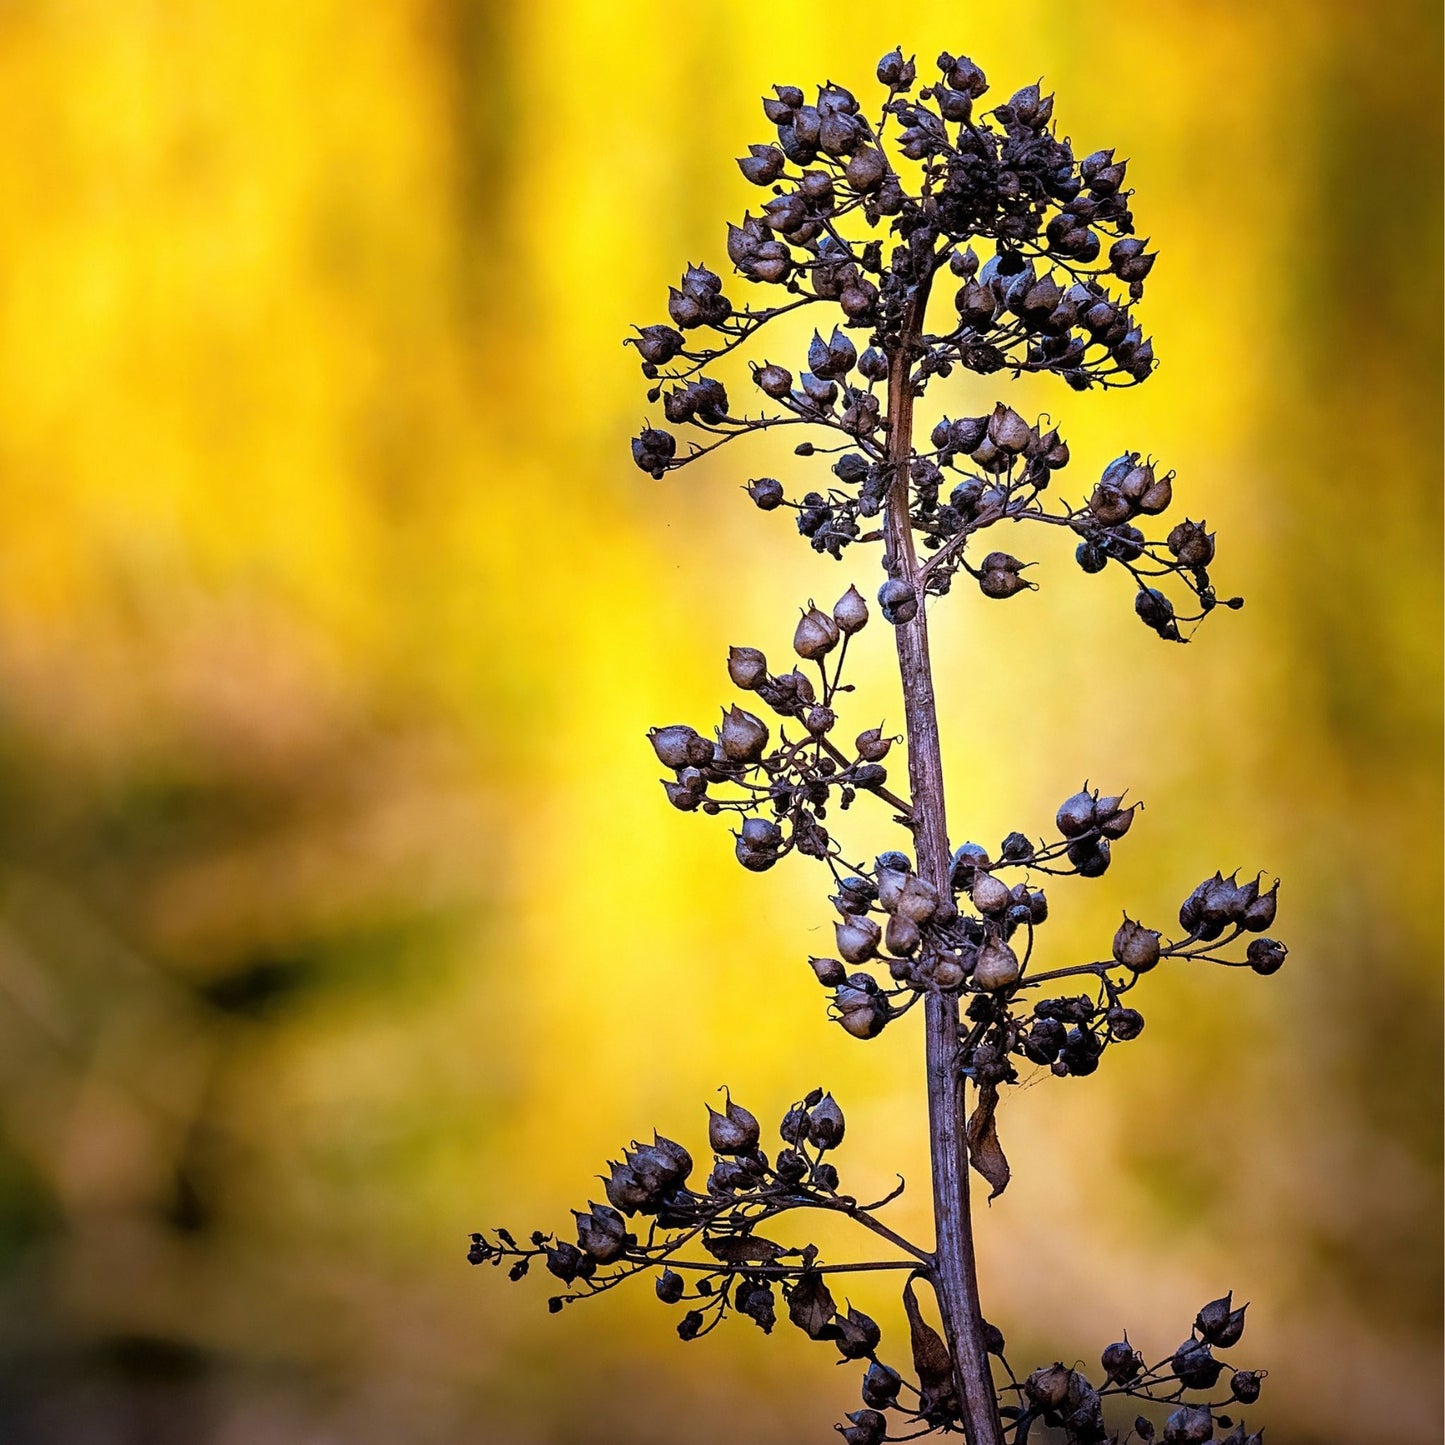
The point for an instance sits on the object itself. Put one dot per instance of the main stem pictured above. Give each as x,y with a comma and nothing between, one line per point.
955,1277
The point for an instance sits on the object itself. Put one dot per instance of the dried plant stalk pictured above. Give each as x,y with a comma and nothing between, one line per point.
947,925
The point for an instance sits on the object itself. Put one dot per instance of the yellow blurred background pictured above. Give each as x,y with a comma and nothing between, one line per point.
340,910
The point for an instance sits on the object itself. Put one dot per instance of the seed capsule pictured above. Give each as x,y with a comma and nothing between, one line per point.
891,883
1266,955
766,492
917,899
773,380
826,1124
743,736
1136,947
1049,1386
1220,901
872,745
816,635
747,667
1044,1040
1121,1362
1244,1385
1159,496
1000,585
873,364
760,833
1194,1365
680,746
861,1012
868,1427
1260,912
897,601
858,939
997,966
681,797
989,894
850,612
1191,544
1090,856
670,1287
1007,430
832,358
1154,609
602,1233
1109,504
1076,815
902,935
947,972
1136,481
680,1161
1124,1023
1189,1424
624,1190
733,1132
865,170
968,858
881,1385
829,970
1220,1323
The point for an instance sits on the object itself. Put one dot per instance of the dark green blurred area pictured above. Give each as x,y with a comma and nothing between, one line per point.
338,910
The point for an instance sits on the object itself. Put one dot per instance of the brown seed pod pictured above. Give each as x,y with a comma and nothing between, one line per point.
997,966
1049,1386
1007,430
858,939
743,736
679,746
850,612
816,634
989,894
734,1131
902,935
948,972
872,745
1158,497
1076,815
830,971
1135,946
918,899
747,667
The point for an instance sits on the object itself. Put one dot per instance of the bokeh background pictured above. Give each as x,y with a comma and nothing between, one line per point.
340,911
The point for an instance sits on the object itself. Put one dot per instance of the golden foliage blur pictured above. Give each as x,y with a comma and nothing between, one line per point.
341,911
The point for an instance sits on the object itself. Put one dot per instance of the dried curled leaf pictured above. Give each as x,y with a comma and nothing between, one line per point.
811,1307
981,1133
741,1248
931,1362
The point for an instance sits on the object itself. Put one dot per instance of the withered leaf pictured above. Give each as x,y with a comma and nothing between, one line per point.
931,1362
811,1307
741,1248
981,1133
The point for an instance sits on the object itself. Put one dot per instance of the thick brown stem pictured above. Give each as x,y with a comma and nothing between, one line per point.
955,1277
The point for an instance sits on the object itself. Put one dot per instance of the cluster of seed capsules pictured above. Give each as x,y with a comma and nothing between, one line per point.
1064,1398
745,771
978,939
1000,180
708,1250
1048,297
653,1218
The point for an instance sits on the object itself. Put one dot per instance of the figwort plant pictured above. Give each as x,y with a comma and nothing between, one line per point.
873,219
